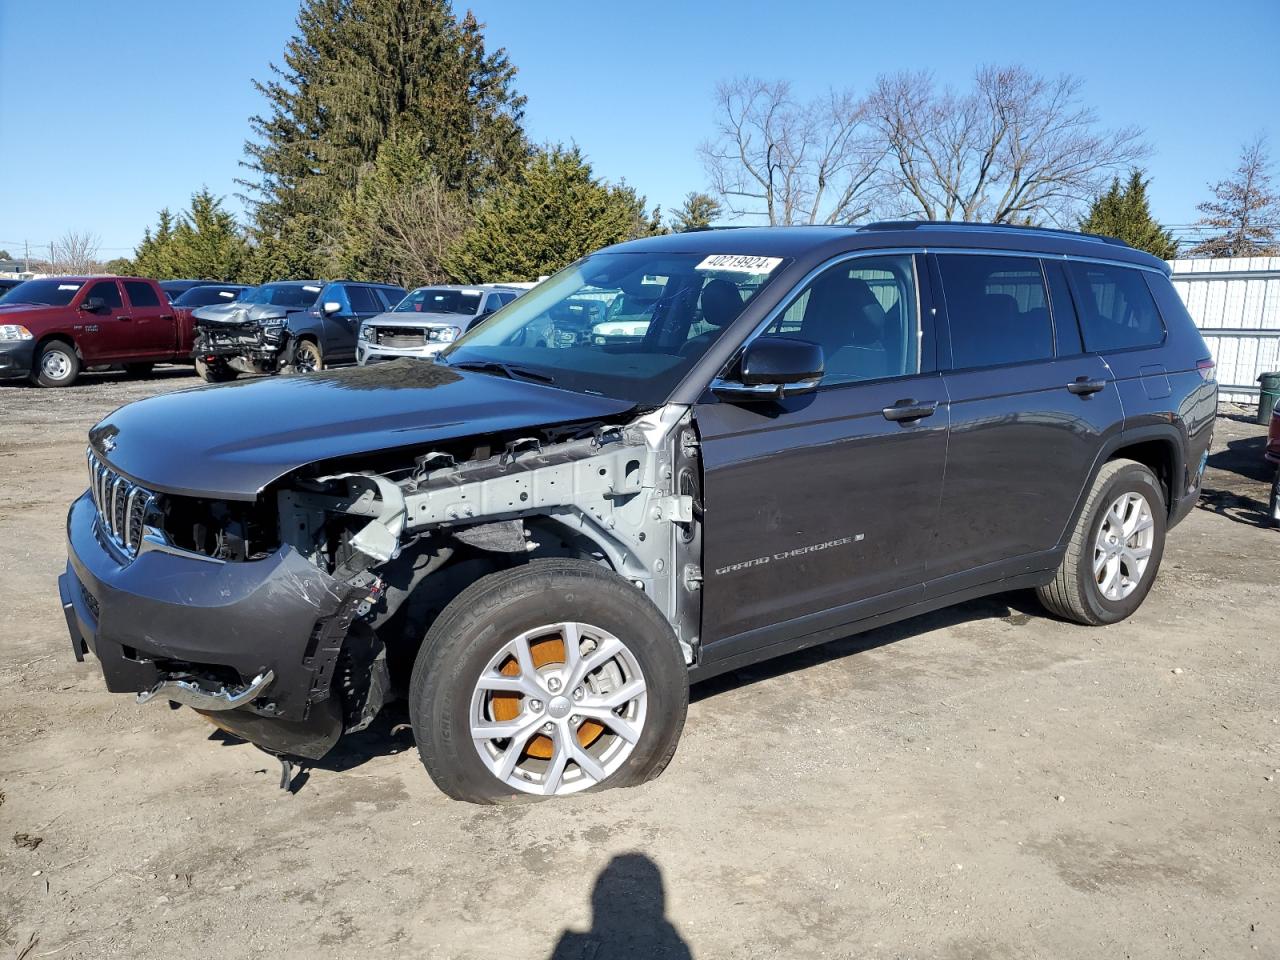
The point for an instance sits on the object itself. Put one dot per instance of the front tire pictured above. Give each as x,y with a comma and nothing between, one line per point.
547,679
1115,549
307,357
215,372
57,365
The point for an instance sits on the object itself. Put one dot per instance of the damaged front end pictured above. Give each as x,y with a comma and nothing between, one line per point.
293,618
241,343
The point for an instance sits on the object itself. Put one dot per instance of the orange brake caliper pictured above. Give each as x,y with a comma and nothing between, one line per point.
506,706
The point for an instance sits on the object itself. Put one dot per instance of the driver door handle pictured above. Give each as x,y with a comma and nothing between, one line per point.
1083,386
906,411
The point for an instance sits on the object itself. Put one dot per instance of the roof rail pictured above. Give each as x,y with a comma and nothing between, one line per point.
966,225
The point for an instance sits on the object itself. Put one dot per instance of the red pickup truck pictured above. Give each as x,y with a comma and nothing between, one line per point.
51,329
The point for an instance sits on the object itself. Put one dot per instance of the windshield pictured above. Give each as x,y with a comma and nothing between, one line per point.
284,294
435,300
54,293
675,306
203,296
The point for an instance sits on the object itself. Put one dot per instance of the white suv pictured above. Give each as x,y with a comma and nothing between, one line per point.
429,319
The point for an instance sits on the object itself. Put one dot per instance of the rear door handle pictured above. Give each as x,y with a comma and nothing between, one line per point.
1083,386
907,410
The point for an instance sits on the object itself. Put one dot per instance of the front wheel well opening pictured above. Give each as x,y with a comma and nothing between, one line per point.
59,338
1158,456
404,632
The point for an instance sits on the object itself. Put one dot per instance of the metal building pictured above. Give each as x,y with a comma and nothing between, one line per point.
1236,304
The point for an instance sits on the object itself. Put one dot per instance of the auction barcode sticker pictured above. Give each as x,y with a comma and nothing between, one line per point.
737,263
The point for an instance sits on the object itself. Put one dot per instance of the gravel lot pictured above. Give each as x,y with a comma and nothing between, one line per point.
980,782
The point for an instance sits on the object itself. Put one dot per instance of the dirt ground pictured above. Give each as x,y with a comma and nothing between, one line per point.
980,782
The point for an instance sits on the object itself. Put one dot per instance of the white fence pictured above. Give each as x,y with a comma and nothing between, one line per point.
1236,304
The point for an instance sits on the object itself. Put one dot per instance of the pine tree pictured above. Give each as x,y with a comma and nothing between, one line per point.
698,212
1245,211
205,242
1124,212
356,73
153,256
554,213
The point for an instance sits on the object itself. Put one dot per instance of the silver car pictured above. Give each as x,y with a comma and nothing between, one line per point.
429,319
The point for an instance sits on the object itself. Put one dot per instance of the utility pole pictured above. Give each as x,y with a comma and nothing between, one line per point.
51,267
26,257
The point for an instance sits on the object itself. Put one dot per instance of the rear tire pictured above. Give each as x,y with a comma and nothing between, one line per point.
215,372
1115,549
1275,499
450,692
57,365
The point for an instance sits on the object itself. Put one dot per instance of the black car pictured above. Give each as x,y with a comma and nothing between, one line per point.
326,334
541,544
175,288
210,293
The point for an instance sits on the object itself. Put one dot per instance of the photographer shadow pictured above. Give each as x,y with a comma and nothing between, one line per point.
628,917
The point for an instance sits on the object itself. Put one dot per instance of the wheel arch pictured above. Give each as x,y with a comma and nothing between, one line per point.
1156,446
60,336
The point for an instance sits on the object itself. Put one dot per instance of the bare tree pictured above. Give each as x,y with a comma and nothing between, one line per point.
1245,213
1017,148
74,253
791,162
419,225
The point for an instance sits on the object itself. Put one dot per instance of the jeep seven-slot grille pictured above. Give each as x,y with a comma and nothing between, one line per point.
122,506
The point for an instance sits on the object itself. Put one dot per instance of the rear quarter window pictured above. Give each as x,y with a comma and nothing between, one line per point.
1117,311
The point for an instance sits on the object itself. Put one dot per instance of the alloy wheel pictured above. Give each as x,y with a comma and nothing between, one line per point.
558,709
1122,548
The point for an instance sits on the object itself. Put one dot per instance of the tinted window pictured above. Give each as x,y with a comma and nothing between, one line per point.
203,296
53,293
1116,309
108,291
141,294
863,315
362,300
997,308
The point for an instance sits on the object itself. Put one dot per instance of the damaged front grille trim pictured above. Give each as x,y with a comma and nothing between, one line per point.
122,506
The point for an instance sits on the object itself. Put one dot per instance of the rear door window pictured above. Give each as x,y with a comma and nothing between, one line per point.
997,309
141,294
1117,310
362,300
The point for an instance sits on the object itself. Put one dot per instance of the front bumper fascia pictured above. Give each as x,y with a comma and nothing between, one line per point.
164,619
16,359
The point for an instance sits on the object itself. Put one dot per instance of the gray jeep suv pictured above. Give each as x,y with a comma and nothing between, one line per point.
540,541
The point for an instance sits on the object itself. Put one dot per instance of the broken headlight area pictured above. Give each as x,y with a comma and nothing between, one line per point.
219,529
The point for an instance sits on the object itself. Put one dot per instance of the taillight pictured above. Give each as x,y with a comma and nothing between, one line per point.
1206,368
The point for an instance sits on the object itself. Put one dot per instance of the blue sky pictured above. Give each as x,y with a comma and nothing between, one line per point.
110,109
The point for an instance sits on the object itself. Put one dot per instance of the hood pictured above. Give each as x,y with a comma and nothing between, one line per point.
229,442
24,312
425,319
237,312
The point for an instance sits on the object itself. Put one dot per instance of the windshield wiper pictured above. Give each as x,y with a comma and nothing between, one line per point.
508,370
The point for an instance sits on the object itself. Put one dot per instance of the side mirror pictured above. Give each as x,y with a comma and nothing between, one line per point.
92,304
773,368
331,306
